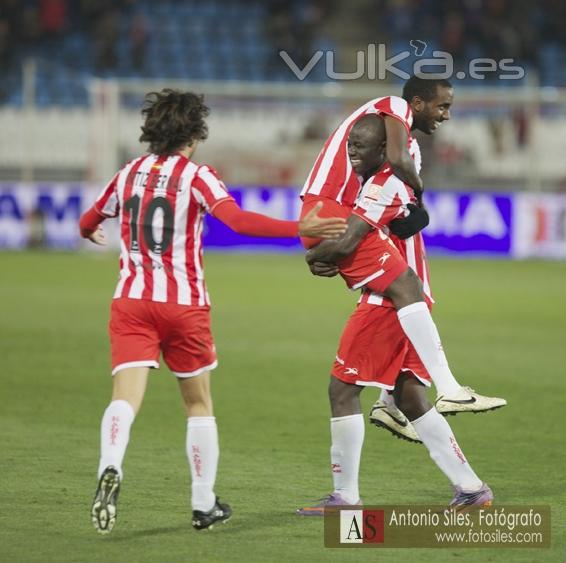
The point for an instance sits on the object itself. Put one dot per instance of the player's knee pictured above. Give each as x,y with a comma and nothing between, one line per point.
344,398
406,289
410,398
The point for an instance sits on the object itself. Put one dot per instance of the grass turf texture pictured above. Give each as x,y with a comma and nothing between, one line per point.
276,330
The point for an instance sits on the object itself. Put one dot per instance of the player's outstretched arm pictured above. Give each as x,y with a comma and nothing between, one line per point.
255,224
335,250
397,154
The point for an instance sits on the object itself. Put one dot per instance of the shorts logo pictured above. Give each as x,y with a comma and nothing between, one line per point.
350,371
384,257
362,526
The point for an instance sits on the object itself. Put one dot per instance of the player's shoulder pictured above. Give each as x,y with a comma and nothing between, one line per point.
394,106
382,180
388,101
129,164
204,169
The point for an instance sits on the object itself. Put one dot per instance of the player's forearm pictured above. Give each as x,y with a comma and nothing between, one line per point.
254,224
335,250
89,221
329,251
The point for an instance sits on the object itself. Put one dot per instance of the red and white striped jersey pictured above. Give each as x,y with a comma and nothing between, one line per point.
332,175
384,197
161,202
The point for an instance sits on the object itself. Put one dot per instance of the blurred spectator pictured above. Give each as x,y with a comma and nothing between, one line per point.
53,17
294,27
139,36
105,33
6,51
31,32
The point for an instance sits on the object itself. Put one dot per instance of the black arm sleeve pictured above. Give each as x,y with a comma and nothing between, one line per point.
408,226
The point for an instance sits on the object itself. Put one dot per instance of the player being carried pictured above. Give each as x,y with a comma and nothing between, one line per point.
161,304
374,349
336,179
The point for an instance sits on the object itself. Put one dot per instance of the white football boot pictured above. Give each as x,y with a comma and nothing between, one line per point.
467,400
389,417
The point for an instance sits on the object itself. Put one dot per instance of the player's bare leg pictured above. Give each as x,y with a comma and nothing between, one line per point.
347,435
128,389
417,323
202,451
438,438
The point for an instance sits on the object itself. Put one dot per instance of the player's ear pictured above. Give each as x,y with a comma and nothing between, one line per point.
417,104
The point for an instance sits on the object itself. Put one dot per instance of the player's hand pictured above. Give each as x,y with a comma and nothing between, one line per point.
323,269
317,268
410,225
98,237
314,226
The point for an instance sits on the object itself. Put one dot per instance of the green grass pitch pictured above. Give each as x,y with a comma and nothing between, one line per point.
276,329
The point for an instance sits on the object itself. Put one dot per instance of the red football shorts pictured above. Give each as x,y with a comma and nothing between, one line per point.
373,349
375,264
140,330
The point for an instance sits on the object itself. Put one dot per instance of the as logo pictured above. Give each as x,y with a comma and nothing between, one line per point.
384,257
361,526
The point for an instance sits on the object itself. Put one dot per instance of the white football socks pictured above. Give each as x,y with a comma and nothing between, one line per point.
203,453
420,329
347,433
437,436
115,434
387,397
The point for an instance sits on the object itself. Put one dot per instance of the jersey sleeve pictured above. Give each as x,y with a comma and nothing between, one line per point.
208,189
395,107
107,203
382,199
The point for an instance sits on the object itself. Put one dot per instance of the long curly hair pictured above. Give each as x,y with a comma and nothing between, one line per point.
173,119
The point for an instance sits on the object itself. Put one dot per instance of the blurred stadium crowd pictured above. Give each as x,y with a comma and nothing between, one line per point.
218,40
240,40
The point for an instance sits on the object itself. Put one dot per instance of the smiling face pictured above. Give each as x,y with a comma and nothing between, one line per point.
366,144
427,116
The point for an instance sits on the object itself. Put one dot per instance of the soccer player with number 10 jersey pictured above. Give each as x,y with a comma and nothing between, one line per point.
161,305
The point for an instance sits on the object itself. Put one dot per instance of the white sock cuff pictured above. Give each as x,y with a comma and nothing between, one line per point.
122,404
428,414
350,416
411,309
201,421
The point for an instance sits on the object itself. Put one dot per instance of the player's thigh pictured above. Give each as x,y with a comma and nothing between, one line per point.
134,338
186,341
